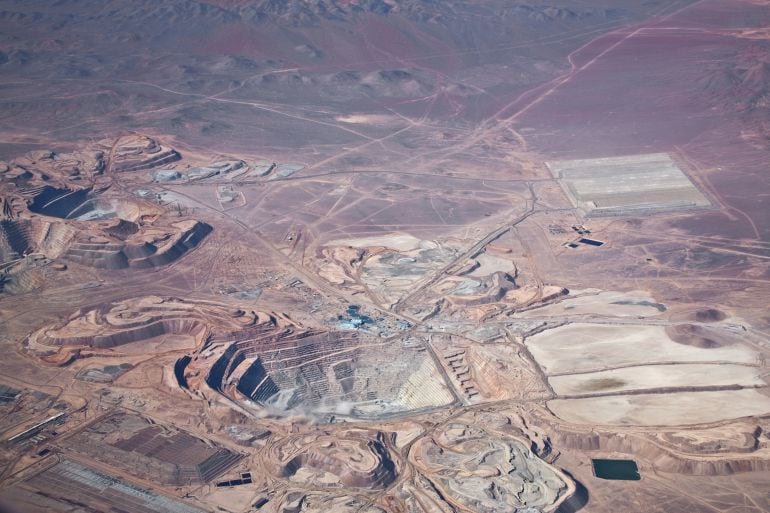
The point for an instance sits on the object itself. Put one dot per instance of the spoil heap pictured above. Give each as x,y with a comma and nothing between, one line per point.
353,460
489,472
138,319
137,152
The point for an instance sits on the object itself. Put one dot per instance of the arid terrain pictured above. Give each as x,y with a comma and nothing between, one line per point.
384,256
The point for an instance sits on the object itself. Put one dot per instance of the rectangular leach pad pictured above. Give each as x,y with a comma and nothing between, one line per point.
69,486
629,185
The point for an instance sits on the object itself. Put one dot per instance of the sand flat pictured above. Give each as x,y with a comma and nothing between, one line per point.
584,347
656,376
662,409
605,303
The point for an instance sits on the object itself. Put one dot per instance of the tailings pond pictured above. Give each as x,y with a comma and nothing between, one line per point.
622,470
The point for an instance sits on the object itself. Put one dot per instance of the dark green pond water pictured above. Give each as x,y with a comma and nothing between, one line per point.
624,470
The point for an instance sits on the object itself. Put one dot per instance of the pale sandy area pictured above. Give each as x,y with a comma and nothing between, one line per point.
367,119
662,409
606,304
489,264
595,347
656,376
397,241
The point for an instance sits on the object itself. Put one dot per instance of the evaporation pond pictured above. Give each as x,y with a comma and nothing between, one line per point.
624,470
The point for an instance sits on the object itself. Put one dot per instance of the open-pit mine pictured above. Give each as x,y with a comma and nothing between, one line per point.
398,256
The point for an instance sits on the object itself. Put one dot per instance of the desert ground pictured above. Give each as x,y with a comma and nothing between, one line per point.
394,256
